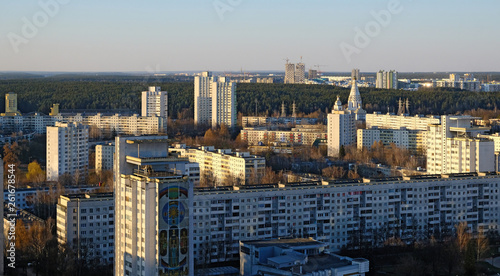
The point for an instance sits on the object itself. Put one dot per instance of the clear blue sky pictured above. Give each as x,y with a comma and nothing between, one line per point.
166,35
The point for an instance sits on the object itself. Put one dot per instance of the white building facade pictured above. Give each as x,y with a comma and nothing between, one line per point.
154,103
341,129
104,155
67,150
87,223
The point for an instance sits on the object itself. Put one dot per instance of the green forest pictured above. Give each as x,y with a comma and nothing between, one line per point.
123,93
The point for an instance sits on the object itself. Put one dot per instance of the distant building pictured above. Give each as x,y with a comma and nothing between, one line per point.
203,98
299,135
86,222
453,146
391,121
300,73
289,73
214,100
11,105
155,103
341,128
491,87
312,74
104,155
256,121
67,151
223,102
299,256
402,138
355,74
387,80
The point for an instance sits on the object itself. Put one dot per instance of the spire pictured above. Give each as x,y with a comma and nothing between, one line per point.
354,97
338,104
283,114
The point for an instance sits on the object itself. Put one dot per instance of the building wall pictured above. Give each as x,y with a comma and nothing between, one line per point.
223,102
154,103
391,121
341,131
203,98
298,136
86,222
104,155
336,213
67,150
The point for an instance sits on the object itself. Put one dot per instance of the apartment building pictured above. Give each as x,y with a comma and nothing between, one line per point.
154,103
87,223
299,135
153,209
453,146
387,79
391,121
67,151
403,138
338,213
214,100
341,128
104,155
121,124
222,167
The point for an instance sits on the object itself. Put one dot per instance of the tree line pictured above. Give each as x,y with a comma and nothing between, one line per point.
38,95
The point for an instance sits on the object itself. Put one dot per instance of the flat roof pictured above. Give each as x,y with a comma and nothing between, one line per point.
323,262
297,242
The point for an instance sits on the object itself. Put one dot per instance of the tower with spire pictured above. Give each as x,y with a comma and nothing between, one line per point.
354,103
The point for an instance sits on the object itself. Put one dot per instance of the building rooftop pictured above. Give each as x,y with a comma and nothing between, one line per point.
92,196
324,262
286,243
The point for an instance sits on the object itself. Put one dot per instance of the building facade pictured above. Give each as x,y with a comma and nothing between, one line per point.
341,129
222,167
67,151
391,121
403,138
300,135
87,223
154,103
343,214
104,155
387,79
153,204
453,146
214,100
223,102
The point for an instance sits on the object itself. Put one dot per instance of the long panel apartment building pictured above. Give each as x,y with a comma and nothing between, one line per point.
300,135
341,214
222,167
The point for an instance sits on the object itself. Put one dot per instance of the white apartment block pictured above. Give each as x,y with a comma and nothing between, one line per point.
470,85
67,150
87,223
301,135
104,155
214,100
454,147
153,206
203,98
402,138
130,125
154,103
223,102
391,121
491,87
341,129
224,167
336,213
255,121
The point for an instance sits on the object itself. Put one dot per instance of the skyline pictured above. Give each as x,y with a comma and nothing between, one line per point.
225,35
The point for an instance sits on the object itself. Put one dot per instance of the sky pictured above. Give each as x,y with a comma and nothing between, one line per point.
232,35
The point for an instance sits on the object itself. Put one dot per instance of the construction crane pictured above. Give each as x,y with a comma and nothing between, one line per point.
317,66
